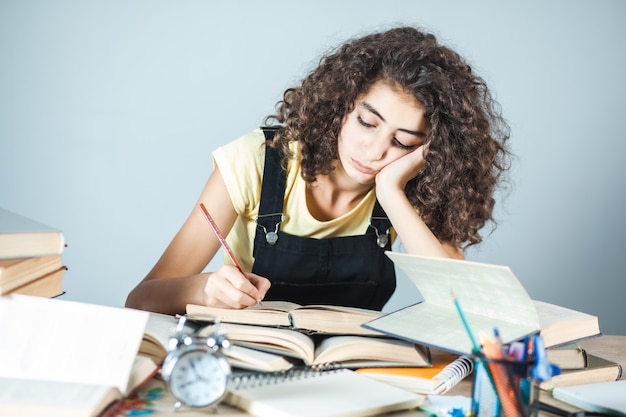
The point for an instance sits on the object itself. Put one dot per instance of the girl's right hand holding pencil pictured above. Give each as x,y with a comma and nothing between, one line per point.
228,287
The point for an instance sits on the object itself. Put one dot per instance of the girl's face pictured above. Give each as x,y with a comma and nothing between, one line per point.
385,125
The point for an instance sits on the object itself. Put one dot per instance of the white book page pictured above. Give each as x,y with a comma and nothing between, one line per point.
491,291
490,296
66,341
24,398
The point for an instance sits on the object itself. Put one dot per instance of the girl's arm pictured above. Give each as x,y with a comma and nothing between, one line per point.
415,235
177,278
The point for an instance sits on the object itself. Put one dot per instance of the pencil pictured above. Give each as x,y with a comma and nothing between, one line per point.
475,347
223,242
220,237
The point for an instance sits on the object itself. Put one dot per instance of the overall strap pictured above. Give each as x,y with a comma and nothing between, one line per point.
273,186
381,226
378,211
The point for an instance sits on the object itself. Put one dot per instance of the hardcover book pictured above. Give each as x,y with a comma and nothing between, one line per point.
22,237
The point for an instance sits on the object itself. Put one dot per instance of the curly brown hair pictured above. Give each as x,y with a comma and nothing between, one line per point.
466,146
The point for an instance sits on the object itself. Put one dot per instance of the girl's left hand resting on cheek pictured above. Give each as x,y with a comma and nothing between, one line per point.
399,172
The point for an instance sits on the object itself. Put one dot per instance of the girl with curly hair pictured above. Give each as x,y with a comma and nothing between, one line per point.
391,136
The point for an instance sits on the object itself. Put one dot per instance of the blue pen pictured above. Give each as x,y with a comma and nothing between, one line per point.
543,369
525,385
496,335
526,348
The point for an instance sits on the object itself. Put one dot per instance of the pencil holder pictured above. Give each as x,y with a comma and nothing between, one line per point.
503,388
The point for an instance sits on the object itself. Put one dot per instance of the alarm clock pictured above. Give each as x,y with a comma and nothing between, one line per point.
195,369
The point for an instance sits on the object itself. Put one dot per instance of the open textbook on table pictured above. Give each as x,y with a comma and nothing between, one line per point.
66,358
350,350
313,318
491,297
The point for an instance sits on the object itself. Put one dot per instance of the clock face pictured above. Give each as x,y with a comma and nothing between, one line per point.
198,378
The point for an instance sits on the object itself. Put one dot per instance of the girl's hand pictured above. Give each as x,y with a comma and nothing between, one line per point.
229,288
402,170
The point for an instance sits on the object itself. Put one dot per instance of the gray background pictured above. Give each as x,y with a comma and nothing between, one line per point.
109,111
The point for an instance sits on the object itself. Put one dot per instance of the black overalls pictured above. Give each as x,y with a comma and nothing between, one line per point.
348,271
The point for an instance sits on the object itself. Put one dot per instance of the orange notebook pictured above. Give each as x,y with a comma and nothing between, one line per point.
447,371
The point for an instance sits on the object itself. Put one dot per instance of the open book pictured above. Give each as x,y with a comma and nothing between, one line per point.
490,295
349,350
36,397
67,358
161,326
315,318
561,325
156,336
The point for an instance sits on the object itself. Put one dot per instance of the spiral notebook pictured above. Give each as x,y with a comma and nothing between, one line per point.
336,393
444,374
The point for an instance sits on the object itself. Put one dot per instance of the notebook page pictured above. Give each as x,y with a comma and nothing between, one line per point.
342,393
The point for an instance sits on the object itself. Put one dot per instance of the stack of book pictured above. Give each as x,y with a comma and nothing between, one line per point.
563,329
313,335
30,256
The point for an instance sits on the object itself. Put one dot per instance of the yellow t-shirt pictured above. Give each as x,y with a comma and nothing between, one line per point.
241,164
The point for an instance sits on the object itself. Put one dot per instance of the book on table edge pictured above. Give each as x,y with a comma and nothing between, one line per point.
18,271
48,285
561,325
598,370
22,237
568,356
